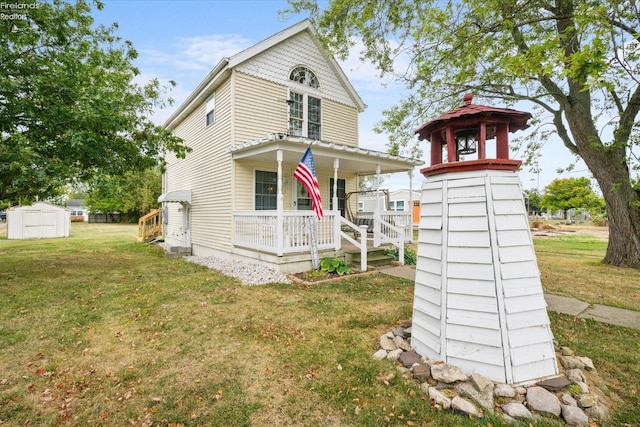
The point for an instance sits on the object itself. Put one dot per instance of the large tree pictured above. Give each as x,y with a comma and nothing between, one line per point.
577,61
69,102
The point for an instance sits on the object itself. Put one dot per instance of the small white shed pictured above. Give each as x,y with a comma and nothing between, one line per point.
38,221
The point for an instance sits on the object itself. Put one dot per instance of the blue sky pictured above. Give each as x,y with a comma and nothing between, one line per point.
183,40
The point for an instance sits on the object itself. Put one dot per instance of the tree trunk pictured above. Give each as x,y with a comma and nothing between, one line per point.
623,205
608,164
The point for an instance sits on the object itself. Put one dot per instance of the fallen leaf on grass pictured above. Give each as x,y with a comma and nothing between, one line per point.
46,396
386,378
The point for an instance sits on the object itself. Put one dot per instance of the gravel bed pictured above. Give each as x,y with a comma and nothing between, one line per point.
248,273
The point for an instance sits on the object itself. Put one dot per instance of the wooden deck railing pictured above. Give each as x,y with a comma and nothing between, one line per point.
150,225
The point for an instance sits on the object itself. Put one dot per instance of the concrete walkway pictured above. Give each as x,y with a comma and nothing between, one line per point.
559,304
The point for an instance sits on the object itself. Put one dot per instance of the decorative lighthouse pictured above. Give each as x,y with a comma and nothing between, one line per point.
478,301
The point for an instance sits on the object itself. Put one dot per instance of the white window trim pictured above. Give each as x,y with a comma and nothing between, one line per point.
210,107
253,188
307,71
305,110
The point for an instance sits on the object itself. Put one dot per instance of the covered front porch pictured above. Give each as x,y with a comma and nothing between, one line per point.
288,230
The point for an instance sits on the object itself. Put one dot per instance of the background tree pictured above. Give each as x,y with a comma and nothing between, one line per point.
575,61
371,182
532,198
133,194
571,193
69,106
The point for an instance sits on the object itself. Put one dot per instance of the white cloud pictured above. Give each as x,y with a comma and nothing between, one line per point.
189,59
364,75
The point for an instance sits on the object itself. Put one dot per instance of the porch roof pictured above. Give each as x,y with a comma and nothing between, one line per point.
359,160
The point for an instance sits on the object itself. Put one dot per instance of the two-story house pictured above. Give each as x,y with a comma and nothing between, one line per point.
248,123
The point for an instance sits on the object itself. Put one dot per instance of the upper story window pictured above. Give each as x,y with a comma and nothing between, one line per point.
209,110
305,110
304,76
304,115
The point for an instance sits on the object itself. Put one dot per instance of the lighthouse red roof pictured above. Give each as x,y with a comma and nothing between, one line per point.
517,119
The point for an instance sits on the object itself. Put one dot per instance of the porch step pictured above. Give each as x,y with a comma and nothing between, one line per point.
375,257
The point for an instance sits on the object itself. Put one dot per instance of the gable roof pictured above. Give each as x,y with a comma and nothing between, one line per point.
223,69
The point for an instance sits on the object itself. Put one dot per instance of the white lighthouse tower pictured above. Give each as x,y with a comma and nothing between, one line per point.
478,301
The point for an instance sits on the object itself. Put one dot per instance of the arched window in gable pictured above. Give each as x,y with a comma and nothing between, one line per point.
304,76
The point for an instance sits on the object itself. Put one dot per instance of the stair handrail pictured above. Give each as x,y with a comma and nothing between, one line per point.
150,225
362,244
380,237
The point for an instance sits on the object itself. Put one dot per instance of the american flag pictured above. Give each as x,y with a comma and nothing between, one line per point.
306,174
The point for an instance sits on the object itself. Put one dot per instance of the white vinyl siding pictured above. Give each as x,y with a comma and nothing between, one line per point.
261,103
206,171
275,65
260,108
478,298
339,123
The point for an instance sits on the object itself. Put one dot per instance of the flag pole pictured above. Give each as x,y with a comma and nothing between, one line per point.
305,173
313,242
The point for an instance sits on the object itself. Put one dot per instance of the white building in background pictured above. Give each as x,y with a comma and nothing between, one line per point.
396,200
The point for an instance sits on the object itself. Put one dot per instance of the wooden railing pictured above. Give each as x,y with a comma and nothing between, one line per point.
150,225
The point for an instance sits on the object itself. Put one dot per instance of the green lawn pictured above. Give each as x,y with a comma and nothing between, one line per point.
97,329
571,265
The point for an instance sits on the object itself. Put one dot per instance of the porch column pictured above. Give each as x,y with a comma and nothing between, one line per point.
376,211
280,208
336,208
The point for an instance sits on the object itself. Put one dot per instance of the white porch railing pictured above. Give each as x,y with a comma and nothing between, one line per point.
362,243
260,230
289,231
398,219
